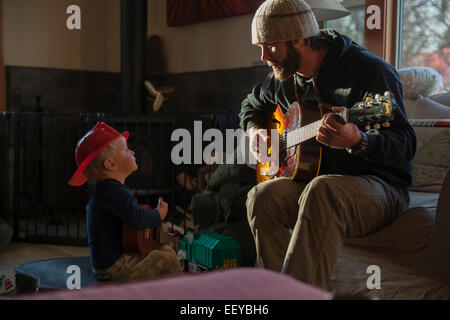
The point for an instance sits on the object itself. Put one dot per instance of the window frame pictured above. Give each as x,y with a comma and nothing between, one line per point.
384,41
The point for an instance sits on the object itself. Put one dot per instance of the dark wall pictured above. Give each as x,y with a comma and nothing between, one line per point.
62,91
73,91
213,91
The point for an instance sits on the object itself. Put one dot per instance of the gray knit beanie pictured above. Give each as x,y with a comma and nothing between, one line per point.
283,20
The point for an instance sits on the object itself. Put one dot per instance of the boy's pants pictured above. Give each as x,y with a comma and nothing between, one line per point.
307,224
137,267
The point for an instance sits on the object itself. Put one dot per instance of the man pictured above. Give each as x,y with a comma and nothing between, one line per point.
363,178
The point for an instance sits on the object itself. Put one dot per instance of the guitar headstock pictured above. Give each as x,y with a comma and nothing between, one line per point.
374,111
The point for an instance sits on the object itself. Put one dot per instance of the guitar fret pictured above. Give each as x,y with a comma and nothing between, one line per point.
302,134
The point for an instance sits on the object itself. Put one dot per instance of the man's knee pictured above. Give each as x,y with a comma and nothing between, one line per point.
262,195
273,202
320,199
323,187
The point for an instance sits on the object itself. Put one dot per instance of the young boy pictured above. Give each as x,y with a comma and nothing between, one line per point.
105,161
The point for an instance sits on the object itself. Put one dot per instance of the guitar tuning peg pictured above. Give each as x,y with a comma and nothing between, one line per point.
376,126
367,127
386,124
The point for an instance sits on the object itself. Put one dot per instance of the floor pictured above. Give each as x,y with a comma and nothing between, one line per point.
21,252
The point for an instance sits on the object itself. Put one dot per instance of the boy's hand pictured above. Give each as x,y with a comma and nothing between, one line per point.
162,208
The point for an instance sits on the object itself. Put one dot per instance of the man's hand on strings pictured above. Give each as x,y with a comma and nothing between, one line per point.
335,133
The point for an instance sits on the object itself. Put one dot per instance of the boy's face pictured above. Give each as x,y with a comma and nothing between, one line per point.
124,157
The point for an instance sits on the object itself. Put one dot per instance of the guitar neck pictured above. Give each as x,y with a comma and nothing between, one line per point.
376,110
309,131
302,134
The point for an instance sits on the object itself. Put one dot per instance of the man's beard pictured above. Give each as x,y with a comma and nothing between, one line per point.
290,65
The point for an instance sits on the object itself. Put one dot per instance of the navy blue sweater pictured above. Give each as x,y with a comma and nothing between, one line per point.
111,205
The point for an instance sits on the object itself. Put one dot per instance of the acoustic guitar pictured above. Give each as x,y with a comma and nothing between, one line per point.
141,241
299,155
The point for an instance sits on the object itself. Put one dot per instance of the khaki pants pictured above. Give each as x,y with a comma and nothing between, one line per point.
301,228
137,267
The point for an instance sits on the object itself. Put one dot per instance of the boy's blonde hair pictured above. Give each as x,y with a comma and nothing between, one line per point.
96,171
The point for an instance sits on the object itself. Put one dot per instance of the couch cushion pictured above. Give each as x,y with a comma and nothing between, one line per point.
425,200
417,81
418,220
442,98
433,144
402,275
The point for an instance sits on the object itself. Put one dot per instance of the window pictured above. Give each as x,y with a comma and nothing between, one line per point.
425,36
353,24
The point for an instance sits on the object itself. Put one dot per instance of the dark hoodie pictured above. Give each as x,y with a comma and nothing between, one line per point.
347,74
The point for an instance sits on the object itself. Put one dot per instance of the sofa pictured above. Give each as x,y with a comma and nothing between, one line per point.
412,253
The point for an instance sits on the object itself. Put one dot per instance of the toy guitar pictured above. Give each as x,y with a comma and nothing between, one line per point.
141,241
300,157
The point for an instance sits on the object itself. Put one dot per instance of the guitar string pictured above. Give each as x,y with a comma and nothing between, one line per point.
305,132
302,134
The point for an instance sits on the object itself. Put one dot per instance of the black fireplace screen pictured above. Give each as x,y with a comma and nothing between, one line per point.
37,160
